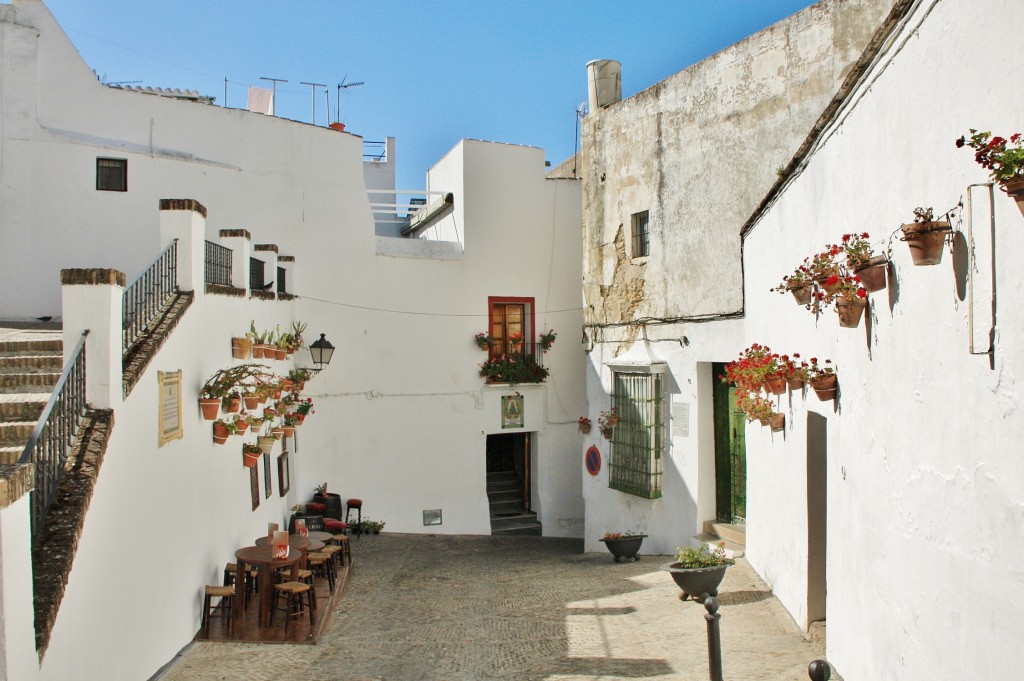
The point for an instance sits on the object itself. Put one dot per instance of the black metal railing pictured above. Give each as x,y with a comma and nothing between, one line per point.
144,297
217,269
256,274
51,440
282,282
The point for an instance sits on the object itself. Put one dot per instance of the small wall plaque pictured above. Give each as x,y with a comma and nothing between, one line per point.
170,406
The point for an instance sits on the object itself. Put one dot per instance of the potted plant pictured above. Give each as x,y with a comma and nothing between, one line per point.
925,236
482,340
850,298
698,571
518,368
583,424
258,340
303,408
1004,159
823,378
241,346
298,328
547,339
623,545
799,283
299,377
864,262
823,265
250,454
222,429
756,367
795,373
606,422
756,408
290,421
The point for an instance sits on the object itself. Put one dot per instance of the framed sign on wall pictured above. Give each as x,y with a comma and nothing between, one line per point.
170,406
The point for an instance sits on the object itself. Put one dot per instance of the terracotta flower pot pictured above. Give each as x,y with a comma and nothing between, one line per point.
240,348
584,428
926,241
241,427
850,311
289,431
775,384
795,383
278,432
777,422
252,401
220,433
1015,189
802,294
234,404
249,459
210,407
872,275
280,353
825,386
258,351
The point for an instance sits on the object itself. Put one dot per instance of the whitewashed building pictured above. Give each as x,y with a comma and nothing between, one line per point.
403,420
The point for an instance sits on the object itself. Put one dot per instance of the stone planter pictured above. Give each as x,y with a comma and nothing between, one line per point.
625,548
697,583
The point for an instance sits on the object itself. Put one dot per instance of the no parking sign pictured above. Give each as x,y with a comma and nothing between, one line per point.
592,460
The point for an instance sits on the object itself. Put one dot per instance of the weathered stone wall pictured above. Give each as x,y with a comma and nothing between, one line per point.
700,150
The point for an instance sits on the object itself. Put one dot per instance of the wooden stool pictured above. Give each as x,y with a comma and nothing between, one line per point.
227,600
341,540
358,505
335,526
335,553
293,603
250,581
322,565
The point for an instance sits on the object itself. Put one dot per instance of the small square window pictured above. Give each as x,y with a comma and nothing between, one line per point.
112,174
641,235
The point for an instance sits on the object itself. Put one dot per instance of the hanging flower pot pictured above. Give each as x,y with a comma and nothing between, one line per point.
240,348
210,407
258,351
850,311
1015,189
220,433
252,400
872,275
234,403
277,432
241,426
802,294
795,382
289,431
265,443
925,237
250,459
775,384
777,422
825,386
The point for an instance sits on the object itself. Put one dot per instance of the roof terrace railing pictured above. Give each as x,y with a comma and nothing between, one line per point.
146,296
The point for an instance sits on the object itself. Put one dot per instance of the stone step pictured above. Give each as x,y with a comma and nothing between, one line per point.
55,344
505,495
501,476
731,532
31,362
10,454
28,382
13,433
22,406
533,529
504,486
712,541
520,519
509,506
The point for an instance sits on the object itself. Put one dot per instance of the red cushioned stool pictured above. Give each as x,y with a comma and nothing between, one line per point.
335,526
358,505
314,507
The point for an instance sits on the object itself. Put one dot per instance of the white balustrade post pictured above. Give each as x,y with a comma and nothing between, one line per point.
185,220
93,299
240,243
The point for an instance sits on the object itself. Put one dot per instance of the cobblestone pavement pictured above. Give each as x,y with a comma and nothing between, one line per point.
445,608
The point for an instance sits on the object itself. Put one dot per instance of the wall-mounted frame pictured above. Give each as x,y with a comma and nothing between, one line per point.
283,481
254,486
170,406
268,484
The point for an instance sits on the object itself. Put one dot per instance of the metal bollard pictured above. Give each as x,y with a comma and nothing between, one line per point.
819,670
714,639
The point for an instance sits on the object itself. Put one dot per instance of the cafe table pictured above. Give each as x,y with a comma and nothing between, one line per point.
262,557
305,544
317,535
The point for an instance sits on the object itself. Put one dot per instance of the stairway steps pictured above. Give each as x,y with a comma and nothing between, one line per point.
511,506
15,432
735,533
28,362
28,381
39,345
10,454
712,541
26,406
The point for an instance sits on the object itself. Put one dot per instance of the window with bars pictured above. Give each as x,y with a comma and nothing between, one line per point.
637,444
112,174
282,282
256,274
641,234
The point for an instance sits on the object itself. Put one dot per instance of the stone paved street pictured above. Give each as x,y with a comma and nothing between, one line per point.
435,608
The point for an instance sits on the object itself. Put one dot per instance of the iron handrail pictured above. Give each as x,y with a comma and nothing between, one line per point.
146,295
55,431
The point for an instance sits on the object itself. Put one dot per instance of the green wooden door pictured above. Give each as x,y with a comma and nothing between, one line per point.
730,453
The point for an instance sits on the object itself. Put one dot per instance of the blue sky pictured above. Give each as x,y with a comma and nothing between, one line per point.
434,72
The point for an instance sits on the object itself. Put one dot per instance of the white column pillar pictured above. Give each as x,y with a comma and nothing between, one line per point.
93,299
185,220
240,243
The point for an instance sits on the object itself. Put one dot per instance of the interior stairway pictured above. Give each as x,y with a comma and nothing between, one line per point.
732,536
505,493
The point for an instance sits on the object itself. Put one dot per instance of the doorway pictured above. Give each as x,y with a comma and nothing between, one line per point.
730,453
817,515
508,484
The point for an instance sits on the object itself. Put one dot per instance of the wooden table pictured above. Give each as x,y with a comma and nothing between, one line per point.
320,536
261,557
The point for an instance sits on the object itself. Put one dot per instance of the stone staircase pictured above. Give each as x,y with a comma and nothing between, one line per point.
30,364
733,536
505,493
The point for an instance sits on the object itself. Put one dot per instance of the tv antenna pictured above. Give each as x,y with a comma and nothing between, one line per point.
344,86
273,94
312,88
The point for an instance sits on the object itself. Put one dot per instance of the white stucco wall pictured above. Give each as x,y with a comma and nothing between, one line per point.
924,488
409,414
274,177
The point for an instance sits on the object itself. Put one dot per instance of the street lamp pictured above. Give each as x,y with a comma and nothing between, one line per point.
321,350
